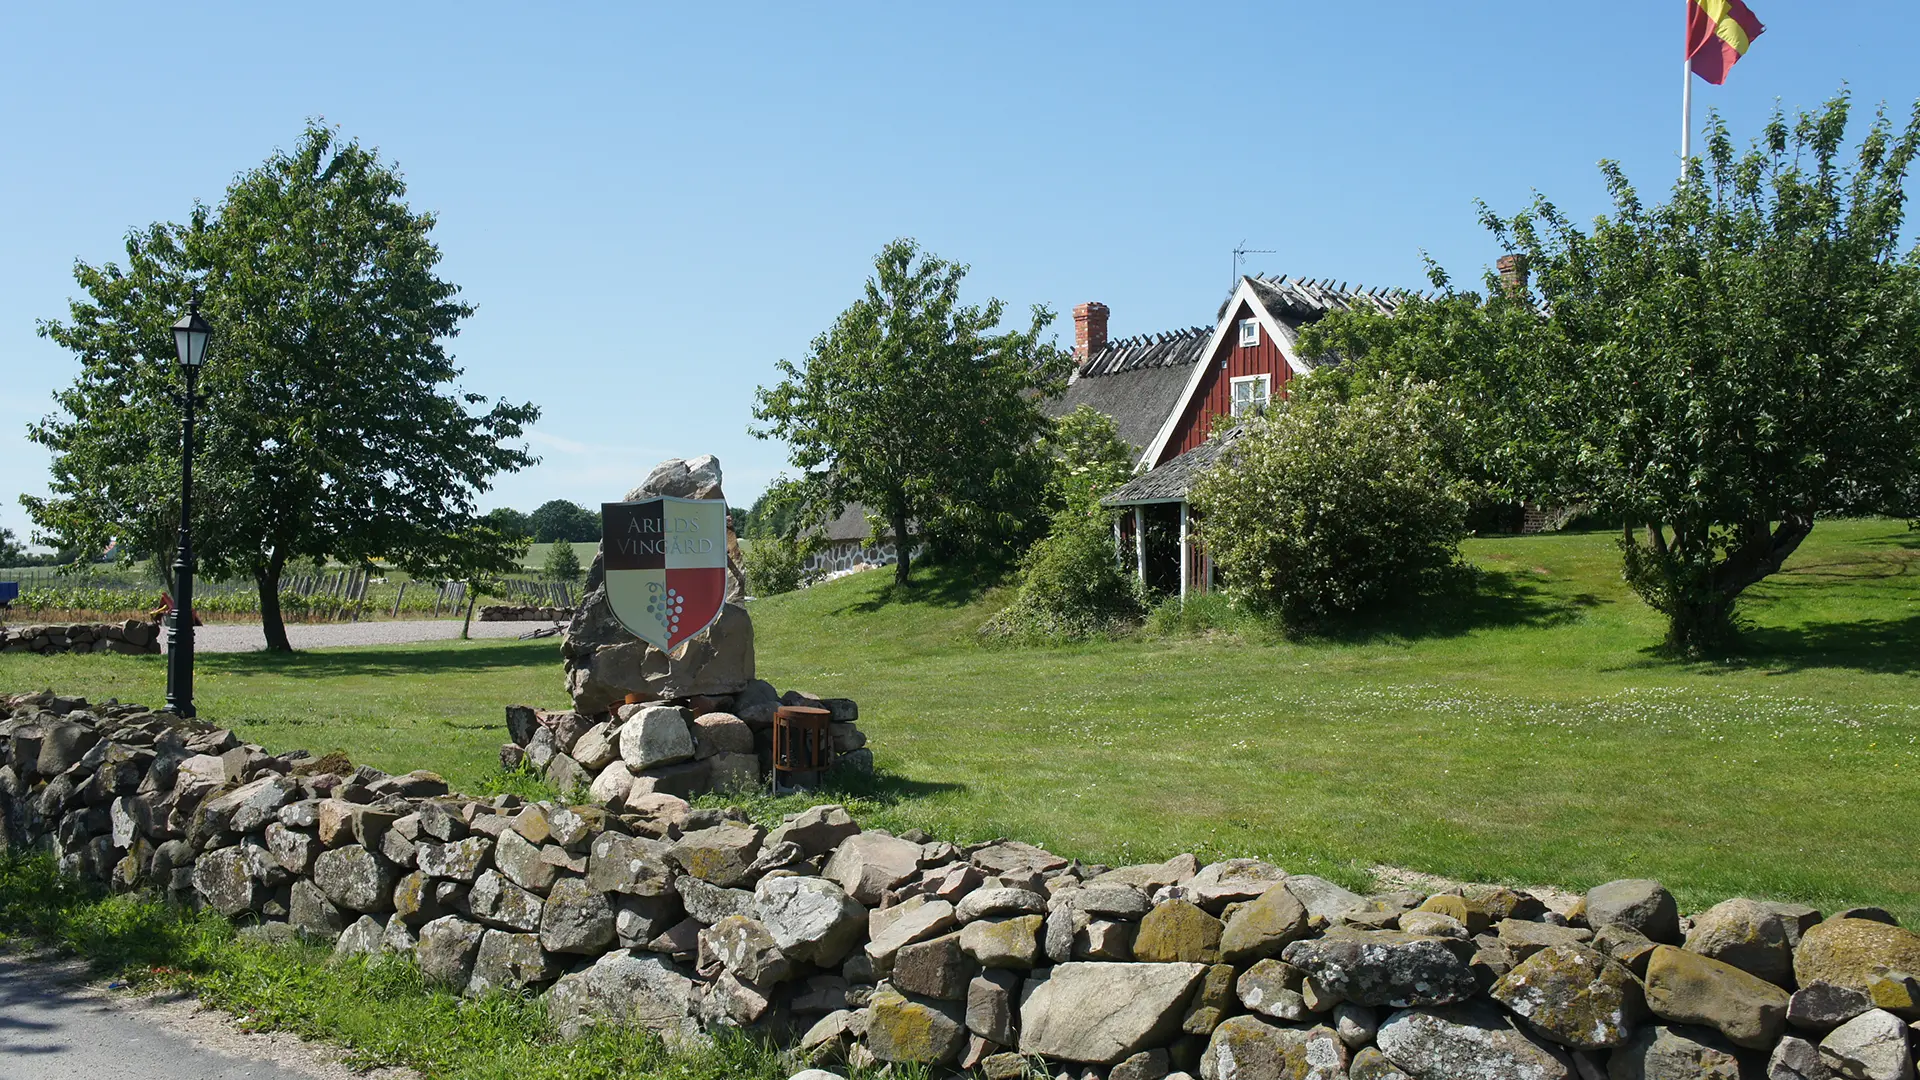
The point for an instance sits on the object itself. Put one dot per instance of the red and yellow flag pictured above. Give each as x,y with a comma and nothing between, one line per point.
1719,33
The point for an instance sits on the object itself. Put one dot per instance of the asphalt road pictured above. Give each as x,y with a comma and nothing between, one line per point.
57,1024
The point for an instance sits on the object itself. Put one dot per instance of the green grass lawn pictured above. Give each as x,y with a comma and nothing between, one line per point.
1531,735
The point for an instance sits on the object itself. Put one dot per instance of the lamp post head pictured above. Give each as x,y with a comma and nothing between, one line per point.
190,337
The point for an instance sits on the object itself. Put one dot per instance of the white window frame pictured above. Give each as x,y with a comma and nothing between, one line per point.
1259,395
1249,333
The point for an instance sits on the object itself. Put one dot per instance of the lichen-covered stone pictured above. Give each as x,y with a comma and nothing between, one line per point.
993,903
1855,952
817,830
1688,989
914,919
576,919
629,864
722,855
1468,1041
446,949
653,736
1263,926
744,947
223,880
1245,1048
812,920
461,860
1272,988
1384,967
518,859
501,904
1003,943
1746,934
901,1029
1178,931
1574,996
621,988
508,961
354,878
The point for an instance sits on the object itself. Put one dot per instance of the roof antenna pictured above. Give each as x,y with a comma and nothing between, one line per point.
1240,257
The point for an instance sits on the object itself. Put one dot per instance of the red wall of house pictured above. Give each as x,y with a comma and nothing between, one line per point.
1214,396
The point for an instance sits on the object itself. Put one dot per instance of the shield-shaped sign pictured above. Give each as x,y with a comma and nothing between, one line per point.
665,561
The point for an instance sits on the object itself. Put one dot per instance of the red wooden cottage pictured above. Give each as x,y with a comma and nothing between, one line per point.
1165,391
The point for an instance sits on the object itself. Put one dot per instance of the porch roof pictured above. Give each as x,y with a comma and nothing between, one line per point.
1171,482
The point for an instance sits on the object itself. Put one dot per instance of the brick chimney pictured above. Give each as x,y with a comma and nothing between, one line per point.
1089,330
1513,273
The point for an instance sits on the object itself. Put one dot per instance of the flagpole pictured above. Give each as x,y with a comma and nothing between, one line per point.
1686,91
1686,114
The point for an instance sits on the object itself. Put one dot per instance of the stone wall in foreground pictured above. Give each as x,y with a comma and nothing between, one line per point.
132,637
862,946
522,613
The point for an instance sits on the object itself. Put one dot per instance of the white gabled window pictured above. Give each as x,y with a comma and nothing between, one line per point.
1250,394
1249,332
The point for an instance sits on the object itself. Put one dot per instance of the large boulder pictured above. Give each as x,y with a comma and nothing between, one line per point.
1104,1013
446,951
1686,988
1871,1046
1245,1048
621,988
605,663
1749,935
355,878
1574,996
870,863
812,919
1384,967
1855,952
1264,926
1640,905
904,1029
1468,1041
653,736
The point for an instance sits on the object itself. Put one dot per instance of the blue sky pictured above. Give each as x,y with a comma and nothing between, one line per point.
649,205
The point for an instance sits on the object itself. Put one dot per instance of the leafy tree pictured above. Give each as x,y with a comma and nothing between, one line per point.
558,519
562,564
1337,500
479,555
1090,459
330,428
913,404
510,522
12,553
1720,370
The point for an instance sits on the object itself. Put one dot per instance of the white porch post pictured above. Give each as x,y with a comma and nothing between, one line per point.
1140,543
1118,552
1183,550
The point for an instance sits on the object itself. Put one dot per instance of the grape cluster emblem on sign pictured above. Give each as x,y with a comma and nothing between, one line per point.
665,561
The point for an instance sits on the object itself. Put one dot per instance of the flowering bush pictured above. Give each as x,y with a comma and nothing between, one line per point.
1337,501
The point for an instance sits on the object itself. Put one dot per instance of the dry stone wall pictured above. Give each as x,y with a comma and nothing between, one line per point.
523,613
682,746
133,637
861,946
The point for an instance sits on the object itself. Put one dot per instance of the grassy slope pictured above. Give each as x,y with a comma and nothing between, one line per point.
1530,736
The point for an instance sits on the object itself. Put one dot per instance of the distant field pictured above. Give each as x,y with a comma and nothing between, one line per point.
1530,736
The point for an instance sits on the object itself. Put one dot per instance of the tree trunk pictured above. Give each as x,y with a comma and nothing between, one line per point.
897,520
268,579
473,594
1701,618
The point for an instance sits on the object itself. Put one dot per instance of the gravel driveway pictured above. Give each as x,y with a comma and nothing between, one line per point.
240,637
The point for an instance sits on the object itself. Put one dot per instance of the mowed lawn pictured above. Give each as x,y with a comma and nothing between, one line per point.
1531,736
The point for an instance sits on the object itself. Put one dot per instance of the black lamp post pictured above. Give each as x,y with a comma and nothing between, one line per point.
190,337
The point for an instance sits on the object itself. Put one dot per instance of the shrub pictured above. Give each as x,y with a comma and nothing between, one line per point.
562,564
776,564
1337,501
1071,584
